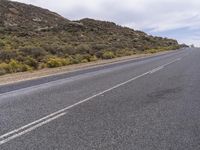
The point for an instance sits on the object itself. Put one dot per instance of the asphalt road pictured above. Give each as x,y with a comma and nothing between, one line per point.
145,104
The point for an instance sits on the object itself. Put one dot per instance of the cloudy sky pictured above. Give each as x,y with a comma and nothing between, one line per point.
179,19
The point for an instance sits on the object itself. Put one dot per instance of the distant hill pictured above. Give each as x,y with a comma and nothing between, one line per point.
34,38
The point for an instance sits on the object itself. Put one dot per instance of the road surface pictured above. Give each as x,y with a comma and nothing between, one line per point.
144,104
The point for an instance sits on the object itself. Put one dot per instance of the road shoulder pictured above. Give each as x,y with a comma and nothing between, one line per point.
25,76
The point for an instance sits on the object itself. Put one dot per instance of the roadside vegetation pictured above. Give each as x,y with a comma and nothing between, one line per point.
29,59
42,39
49,49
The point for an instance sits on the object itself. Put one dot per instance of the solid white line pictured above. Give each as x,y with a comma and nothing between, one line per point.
59,80
29,127
67,108
163,66
178,59
156,69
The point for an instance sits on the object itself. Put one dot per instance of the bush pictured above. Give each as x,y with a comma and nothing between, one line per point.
86,57
2,44
152,51
31,62
15,66
3,69
6,56
108,55
84,61
57,62
98,47
93,58
125,52
53,49
82,48
77,59
160,49
12,67
37,53
99,54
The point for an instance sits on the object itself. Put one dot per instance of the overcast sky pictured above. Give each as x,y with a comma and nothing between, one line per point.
179,19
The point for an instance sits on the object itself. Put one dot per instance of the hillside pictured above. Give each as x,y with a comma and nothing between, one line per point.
34,38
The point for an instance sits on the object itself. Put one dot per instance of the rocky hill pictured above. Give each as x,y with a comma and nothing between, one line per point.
35,38
21,16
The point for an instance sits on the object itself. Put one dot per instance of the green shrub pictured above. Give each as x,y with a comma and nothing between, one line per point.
82,48
15,66
1,44
98,47
42,65
12,67
6,56
86,57
77,59
84,61
54,49
37,53
3,68
125,52
57,62
132,52
31,62
93,58
68,49
152,51
99,54
108,55
160,49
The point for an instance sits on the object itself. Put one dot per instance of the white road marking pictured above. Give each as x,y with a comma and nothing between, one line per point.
38,123
178,59
30,129
161,67
28,125
60,80
156,69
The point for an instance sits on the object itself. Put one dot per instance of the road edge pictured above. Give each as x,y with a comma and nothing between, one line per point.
38,74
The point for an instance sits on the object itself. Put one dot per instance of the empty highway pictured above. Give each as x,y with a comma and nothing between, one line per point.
149,103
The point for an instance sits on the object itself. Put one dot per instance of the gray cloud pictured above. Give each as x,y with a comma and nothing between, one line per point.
165,18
